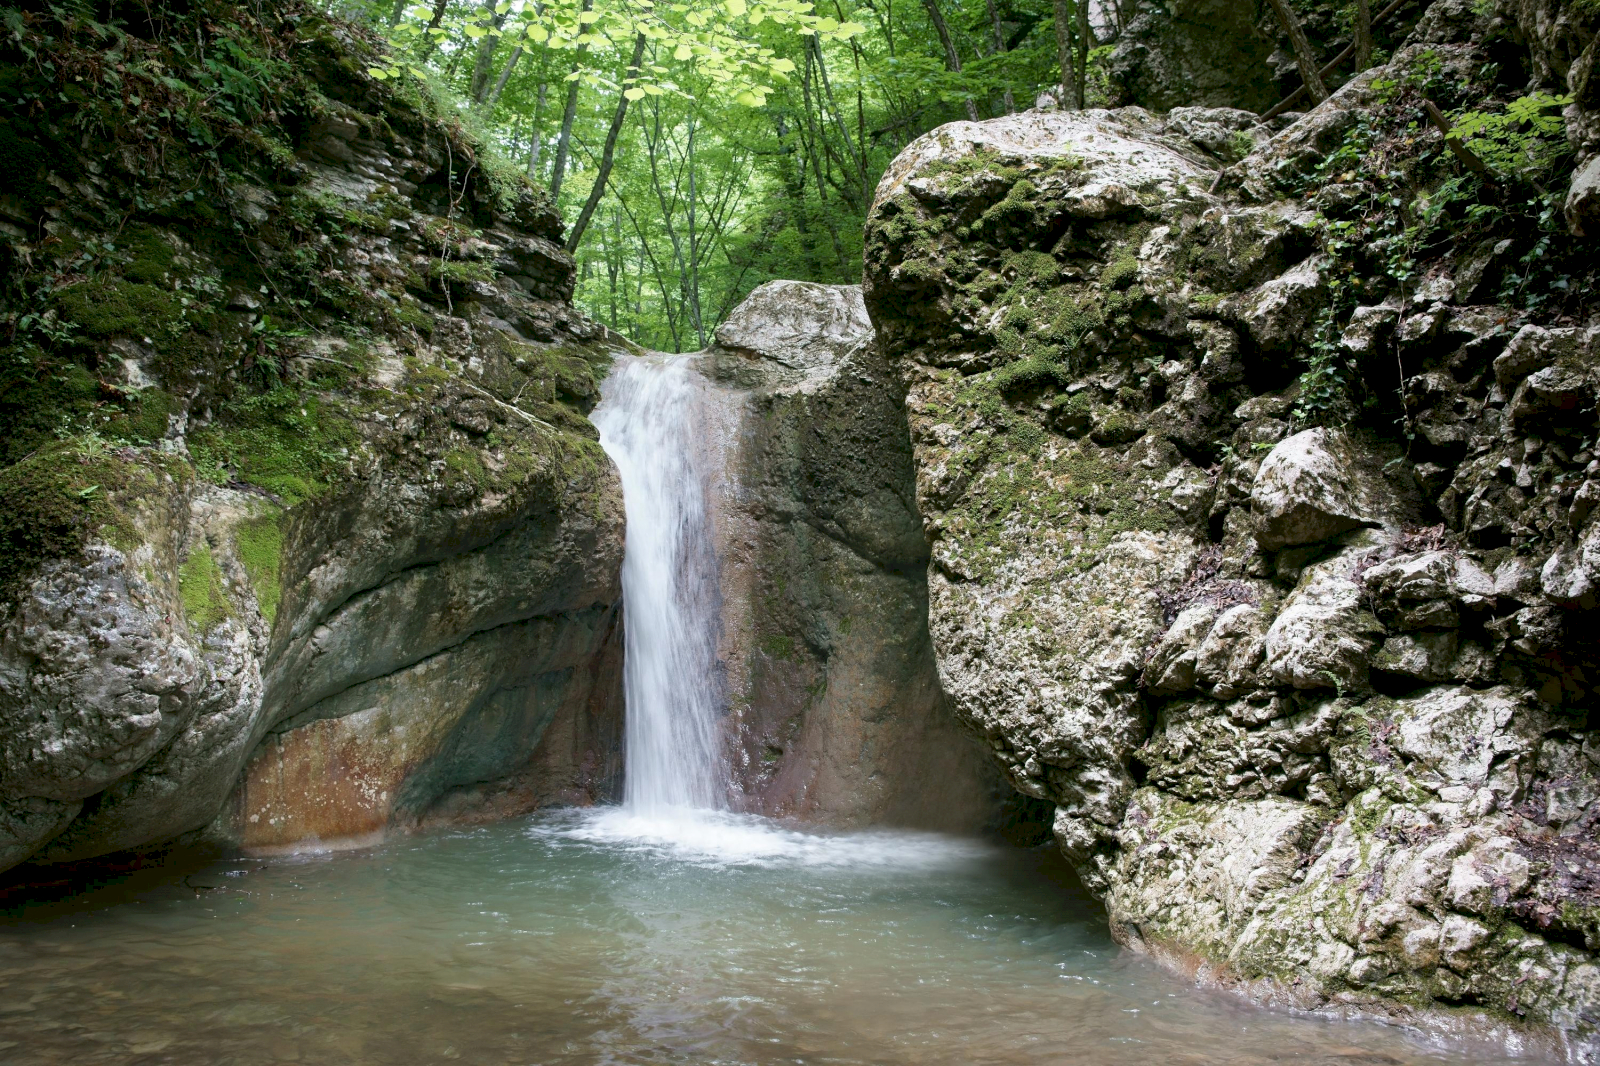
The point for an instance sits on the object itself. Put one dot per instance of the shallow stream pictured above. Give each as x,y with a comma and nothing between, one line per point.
601,937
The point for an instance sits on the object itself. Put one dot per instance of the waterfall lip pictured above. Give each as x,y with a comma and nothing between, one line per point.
726,839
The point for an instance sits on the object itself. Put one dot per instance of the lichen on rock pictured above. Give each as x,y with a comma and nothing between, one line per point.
278,391
1268,572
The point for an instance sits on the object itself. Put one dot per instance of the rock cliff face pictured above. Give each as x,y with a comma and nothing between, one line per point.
306,534
836,715
1269,562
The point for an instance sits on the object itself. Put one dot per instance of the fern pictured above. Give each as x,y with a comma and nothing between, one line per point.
1525,138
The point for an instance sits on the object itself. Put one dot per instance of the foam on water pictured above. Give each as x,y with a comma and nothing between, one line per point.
723,838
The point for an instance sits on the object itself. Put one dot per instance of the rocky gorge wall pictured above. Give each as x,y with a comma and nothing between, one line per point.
1263,542
305,531
836,716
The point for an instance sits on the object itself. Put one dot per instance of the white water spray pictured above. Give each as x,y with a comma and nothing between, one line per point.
651,424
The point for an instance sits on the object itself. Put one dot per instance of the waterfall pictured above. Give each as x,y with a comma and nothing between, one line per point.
651,424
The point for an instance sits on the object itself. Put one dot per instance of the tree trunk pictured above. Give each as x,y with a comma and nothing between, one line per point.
1000,49
609,154
952,58
535,135
1085,39
1363,41
1304,57
838,121
429,40
492,97
483,61
1063,9
568,114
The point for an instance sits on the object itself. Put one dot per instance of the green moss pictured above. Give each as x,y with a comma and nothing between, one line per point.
1075,494
779,647
1120,272
259,542
292,444
1019,207
61,498
145,418
408,313
459,271
1367,812
1042,369
986,163
40,398
466,464
150,256
205,602
22,165
111,308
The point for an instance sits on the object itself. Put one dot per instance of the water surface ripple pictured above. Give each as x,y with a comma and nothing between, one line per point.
605,937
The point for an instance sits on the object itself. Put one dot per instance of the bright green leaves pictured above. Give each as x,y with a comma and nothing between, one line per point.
1526,137
717,36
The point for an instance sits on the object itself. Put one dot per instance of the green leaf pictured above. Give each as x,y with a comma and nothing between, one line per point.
735,7
378,72
635,93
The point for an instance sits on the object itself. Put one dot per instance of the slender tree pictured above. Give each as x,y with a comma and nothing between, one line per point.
569,114
952,58
609,154
1085,39
1363,35
1000,49
1304,57
1063,20
536,134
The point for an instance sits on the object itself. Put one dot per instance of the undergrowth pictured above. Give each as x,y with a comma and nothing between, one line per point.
1396,208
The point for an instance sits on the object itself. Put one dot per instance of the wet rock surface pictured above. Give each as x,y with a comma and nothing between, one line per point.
1314,706
299,624
836,715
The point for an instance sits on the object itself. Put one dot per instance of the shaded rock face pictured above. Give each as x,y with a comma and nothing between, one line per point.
1316,715
836,716
419,621
1225,54
1185,53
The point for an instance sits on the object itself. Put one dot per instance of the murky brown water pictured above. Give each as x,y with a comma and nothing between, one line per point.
592,939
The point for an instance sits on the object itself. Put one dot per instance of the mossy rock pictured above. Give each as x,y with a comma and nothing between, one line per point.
259,543
145,417
55,502
107,307
292,444
205,600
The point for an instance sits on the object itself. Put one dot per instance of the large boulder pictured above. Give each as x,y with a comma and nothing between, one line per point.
836,713
1301,741
328,579
1317,484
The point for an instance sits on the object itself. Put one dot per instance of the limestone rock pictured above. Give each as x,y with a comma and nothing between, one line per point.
1324,636
837,716
1311,706
1582,205
1313,486
317,563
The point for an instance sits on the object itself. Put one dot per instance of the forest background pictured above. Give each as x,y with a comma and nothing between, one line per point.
700,149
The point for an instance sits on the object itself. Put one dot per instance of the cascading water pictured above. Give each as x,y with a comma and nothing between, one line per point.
649,425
